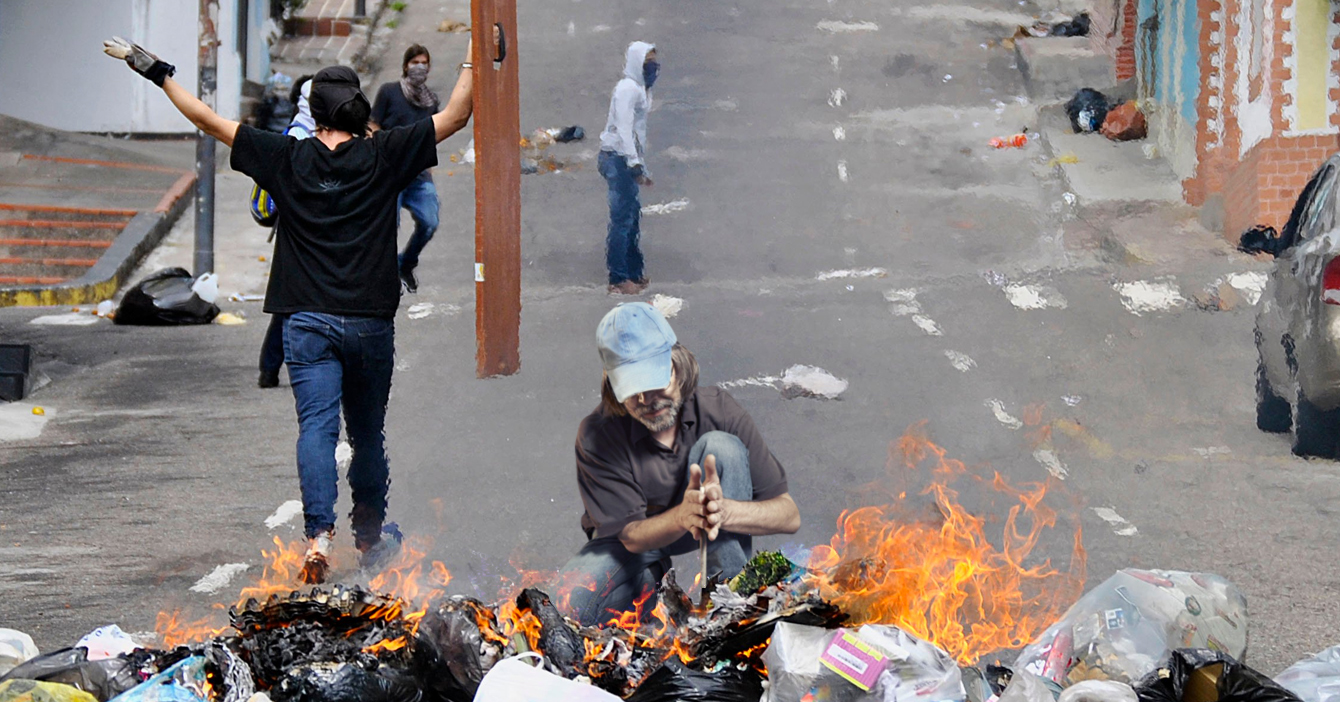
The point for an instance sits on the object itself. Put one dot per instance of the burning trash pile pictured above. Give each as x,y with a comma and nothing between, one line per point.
907,603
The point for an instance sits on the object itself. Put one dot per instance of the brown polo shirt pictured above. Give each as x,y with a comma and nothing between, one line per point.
625,475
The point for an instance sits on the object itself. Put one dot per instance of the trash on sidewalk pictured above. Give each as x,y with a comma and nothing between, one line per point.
1014,141
570,134
230,319
166,298
873,663
16,381
1121,629
184,681
15,648
1063,159
1260,239
1314,679
1026,687
675,682
515,680
107,642
1203,675
1125,122
453,27
1087,110
1098,691
103,679
68,319
1077,27
34,691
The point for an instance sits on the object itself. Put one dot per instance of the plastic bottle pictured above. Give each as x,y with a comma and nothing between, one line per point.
206,287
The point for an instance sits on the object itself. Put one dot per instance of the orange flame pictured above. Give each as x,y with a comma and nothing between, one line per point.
174,631
945,581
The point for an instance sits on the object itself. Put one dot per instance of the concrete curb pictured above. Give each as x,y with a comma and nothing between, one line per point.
137,239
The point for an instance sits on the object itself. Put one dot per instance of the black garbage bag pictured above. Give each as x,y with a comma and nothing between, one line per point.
103,679
346,682
1261,239
1077,27
165,299
1202,675
449,650
673,682
1087,110
573,133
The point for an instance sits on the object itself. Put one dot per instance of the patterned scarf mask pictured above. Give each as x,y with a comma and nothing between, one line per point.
415,87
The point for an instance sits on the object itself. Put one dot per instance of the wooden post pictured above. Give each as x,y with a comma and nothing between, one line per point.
497,188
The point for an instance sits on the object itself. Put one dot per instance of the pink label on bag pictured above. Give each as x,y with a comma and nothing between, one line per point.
853,659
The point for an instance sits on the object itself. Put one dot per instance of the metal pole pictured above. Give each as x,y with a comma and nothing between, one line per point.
208,63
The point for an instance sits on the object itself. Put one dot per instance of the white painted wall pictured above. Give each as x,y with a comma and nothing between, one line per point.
53,71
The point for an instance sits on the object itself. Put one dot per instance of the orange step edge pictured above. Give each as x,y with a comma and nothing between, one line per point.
27,280
58,224
57,242
17,260
13,206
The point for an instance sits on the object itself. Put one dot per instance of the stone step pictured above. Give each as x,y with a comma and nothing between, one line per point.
1055,68
57,230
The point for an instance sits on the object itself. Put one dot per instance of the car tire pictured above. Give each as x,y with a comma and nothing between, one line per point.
1273,413
1316,432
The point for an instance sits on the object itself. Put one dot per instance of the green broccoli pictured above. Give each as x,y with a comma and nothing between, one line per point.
766,568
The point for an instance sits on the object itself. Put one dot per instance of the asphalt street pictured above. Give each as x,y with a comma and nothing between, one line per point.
831,200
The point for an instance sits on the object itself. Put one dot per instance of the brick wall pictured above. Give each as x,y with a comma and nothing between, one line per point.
1113,33
1212,162
1262,188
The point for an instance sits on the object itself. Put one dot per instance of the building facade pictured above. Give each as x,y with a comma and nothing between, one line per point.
55,73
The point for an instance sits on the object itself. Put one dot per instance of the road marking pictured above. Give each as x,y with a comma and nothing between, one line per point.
219,578
836,62
842,172
285,513
1149,296
600,28
796,381
666,207
1212,451
839,133
961,361
854,273
668,306
1051,462
69,319
837,97
927,325
1032,297
998,408
19,423
836,27
572,29
684,155
1120,526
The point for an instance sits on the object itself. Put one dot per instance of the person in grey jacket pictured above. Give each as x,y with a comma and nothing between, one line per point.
622,162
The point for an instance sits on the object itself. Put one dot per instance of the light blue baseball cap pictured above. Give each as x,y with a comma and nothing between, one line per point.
635,343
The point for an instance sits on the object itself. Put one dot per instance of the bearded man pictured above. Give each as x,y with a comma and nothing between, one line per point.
661,463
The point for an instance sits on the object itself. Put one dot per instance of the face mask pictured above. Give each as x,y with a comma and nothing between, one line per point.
649,71
417,73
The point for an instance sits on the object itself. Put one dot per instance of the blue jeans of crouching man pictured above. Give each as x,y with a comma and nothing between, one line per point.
623,254
338,362
609,577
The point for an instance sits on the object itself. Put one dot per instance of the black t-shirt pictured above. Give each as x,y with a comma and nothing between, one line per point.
391,109
335,246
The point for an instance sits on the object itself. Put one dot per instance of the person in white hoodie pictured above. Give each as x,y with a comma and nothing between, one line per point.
623,147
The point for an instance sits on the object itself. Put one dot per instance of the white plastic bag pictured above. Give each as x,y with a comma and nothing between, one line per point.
1098,691
913,670
206,287
1315,679
514,680
15,648
1026,687
107,642
1121,629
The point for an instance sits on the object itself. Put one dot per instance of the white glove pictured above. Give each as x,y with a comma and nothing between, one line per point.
139,60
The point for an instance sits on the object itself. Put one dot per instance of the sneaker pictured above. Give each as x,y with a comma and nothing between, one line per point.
316,564
409,280
379,555
269,379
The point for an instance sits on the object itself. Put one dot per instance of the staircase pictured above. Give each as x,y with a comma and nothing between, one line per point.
48,244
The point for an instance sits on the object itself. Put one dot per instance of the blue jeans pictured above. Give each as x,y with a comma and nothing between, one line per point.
336,361
623,256
617,577
272,350
420,198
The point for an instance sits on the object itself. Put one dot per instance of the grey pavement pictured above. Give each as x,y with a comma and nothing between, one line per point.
802,153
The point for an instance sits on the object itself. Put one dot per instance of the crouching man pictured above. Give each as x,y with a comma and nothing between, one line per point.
661,462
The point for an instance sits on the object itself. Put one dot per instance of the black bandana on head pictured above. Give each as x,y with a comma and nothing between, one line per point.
335,90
